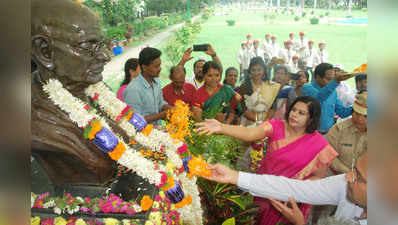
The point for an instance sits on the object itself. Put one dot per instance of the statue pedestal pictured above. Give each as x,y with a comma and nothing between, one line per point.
128,186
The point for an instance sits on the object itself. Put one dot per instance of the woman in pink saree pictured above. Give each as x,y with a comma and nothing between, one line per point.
295,149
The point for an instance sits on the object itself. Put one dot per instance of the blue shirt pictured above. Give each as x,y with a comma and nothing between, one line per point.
144,98
330,103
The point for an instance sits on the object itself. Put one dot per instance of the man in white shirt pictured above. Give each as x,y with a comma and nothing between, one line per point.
274,48
249,42
309,54
243,60
295,42
321,55
265,46
347,191
302,44
287,53
256,50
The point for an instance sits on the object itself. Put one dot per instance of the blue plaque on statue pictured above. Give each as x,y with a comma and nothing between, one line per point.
138,121
175,194
105,140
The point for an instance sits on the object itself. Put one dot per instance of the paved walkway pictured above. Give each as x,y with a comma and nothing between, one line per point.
116,66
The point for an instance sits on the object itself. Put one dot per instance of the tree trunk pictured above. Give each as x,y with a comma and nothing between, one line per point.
279,3
288,3
314,4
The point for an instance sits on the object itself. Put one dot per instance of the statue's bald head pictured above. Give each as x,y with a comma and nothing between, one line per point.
67,43
61,19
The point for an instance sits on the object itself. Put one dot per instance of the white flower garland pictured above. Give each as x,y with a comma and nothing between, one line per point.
113,107
75,109
191,214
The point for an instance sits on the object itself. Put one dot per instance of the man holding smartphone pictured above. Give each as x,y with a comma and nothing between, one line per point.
197,77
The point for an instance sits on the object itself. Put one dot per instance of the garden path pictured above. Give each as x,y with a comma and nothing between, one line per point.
116,66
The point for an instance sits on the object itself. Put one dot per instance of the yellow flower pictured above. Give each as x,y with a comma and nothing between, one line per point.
162,195
59,221
111,221
80,221
35,220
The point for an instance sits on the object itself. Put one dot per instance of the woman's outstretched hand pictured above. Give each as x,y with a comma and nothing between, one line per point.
222,174
208,127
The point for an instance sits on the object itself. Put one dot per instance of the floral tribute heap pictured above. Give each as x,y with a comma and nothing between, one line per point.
176,177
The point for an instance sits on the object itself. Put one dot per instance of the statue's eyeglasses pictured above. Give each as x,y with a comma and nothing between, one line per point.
91,47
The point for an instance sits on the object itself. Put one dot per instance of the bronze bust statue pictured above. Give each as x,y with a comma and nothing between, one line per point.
66,45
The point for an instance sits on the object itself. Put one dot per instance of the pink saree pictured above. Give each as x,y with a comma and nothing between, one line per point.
297,159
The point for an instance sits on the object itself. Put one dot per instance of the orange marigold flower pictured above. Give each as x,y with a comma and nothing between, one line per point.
132,142
94,130
146,203
118,151
147,130
129,115
198,167
361,69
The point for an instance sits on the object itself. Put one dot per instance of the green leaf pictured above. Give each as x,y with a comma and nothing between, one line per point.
237,201
230,221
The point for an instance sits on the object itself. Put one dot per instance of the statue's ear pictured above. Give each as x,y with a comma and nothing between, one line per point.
42,51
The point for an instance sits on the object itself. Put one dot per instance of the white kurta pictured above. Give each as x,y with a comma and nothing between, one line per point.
328,191
287,55
320,57
309,55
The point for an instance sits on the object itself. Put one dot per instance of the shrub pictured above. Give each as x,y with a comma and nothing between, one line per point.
364,9
231,22
296,18
321,16
314,20
327,14
312,12
349,16
115,33
303,14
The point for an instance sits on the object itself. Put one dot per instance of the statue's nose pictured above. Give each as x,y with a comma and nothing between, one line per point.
103,56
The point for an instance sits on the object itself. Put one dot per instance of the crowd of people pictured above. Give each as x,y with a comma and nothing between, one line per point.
315,145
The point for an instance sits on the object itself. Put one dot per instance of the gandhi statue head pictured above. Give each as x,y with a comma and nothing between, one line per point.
67,43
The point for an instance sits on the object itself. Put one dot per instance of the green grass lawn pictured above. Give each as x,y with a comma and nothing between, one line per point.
346,44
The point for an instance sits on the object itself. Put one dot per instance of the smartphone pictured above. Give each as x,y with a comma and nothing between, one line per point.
294,76
200,48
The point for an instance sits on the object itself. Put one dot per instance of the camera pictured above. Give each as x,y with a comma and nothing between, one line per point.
200,48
